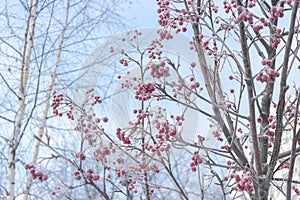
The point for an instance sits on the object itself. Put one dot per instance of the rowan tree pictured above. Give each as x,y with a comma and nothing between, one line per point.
242,79
253,49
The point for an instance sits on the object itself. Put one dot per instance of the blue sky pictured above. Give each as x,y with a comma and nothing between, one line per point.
142,14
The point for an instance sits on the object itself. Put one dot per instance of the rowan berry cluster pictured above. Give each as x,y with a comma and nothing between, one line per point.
36,174
158,70
89,175
144,92
297,191
82,156
267,74
57,101
121,135
155,49
243,179
217,135
196,161
102,152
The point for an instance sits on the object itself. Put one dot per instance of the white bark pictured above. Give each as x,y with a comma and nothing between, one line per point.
47,105
28,44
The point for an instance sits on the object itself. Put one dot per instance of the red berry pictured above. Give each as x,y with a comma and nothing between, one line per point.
105,119
27,166
194,169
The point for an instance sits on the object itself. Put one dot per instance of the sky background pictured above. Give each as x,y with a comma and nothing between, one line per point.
142,14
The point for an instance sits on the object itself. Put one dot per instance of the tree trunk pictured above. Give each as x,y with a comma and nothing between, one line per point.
48,95
28,44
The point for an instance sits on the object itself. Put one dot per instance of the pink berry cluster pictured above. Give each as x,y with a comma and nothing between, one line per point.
276,12
185,87
158,70
145,91
157,149
267,74
77,175
120,172
88,124
201,139
140,116
166,131
132,184
56,190
211,50
259,25
228,6
154,50
128,83
89,175
131,39
124,62
276,38
297,191
61,101
102,152
179,20
121,135
269,130
36,174
196,161
69,113
243,15
82,156
243,181
217,135
165,34
193,83
57,101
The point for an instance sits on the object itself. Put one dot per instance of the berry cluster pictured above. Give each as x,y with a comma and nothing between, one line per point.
217,135
166,131
243,181
157,149
57,101
102,152
82,156
36,174
124,62
229,6
194,84
297,191
122,137
140,116
158,70
176,22
144,91
196,161
267,74
89,175
154,50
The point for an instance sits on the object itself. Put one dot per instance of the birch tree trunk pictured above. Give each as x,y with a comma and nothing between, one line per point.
47,105
28,44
